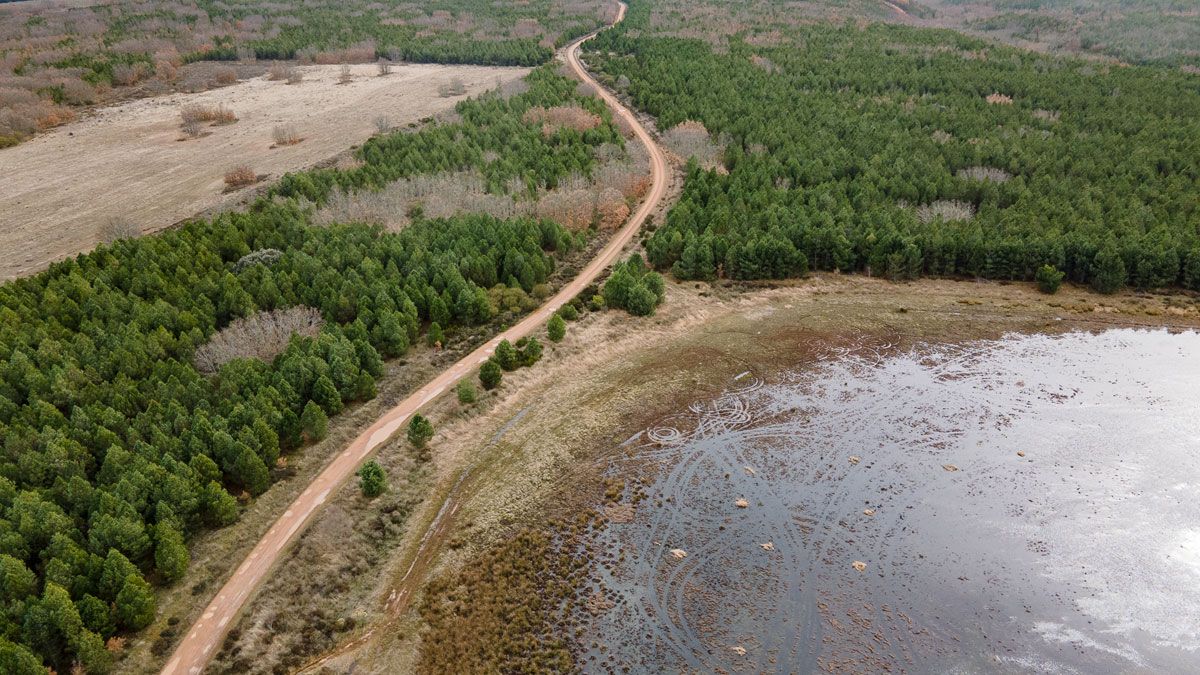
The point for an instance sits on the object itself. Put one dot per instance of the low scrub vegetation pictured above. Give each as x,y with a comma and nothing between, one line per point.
286,134
240,177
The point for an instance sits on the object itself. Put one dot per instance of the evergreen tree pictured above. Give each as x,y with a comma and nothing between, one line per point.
1049,279
170,553
250,472
556,330
640,300
506,356
420,430
532,352
135,603
490,374
1108,270
314,422
17,660
466,392
326,395
218,506
372,479
434,337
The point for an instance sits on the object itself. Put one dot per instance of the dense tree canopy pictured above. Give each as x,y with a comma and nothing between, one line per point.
116,448
904,152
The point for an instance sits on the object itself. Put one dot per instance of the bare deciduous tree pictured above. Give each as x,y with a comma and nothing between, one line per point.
119,227
382,124
345,76
385,67
259,336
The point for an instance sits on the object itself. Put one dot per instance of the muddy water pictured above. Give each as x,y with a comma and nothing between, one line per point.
1024,505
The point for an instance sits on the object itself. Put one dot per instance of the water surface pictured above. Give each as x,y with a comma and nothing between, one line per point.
1021,505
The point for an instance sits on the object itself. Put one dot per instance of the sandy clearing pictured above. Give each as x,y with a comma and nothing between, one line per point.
128,161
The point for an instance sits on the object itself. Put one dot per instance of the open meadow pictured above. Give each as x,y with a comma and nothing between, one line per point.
135,164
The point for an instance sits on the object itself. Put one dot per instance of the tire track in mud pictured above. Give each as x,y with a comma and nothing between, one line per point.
854,460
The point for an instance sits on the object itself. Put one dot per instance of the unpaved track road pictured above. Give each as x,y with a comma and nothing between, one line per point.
205,636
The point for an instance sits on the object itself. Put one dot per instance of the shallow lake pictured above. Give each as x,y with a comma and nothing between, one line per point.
1028,504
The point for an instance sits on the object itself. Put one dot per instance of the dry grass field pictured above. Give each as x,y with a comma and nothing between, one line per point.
131,162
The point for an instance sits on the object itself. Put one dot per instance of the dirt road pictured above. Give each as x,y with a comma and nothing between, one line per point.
200,643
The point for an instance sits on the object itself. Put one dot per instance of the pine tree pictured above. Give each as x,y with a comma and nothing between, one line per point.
1048,279
1108,270
250,472
326,395
372,480
556,330
532,353
506,356
170,553
434,337
420,430
490,374
314,422
135,603
466,392
218,506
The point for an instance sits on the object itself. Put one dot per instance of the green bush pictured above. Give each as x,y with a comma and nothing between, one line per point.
490,374
372,480
420,430
466,392
556,330
1049,278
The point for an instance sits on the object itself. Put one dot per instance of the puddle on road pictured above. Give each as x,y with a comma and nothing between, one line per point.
1027,504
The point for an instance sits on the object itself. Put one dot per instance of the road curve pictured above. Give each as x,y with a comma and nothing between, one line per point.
204,637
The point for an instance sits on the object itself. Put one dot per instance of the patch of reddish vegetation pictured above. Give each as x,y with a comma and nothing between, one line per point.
562,117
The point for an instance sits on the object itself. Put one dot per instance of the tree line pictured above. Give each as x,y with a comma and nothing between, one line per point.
117,450
907,152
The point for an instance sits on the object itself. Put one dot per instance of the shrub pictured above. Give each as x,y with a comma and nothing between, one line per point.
345,76
126,74
490,374
454,87
506,356
420,430
193,129
568,312
117,228
286,134
556,329
239,177
435,336
634,288
280,71
372,479
385,67
382,124
295,76
1049,278
201,112
224,75
531,353
466,392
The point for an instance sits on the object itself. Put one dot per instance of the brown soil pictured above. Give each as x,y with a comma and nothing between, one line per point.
127,161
